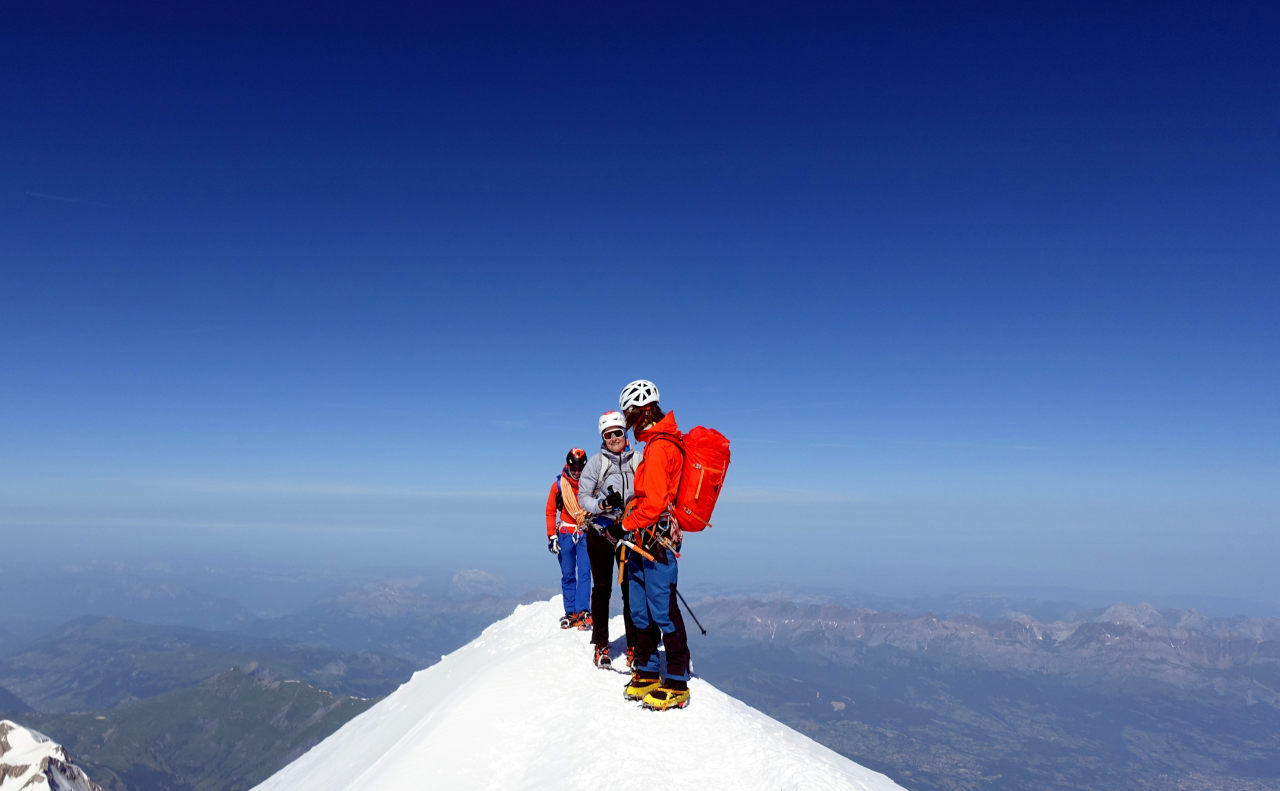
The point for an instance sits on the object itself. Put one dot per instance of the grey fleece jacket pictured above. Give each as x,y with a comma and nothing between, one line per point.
620,475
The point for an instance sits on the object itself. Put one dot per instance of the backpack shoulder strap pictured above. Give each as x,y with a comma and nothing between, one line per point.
674,439
678,441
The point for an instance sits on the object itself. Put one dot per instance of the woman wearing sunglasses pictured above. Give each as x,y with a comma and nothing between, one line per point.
605,488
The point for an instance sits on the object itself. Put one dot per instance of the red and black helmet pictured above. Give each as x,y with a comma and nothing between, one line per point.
576,457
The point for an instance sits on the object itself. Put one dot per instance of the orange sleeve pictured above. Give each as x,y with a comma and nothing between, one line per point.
551,509
657,478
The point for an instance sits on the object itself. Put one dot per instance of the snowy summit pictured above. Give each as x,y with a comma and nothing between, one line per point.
32,761
522,706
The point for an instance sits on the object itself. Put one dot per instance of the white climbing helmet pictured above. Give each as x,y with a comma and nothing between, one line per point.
638,393
611,420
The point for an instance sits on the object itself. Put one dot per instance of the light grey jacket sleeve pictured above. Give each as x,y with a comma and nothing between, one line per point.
589,485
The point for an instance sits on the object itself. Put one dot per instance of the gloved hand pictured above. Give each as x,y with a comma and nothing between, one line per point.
615,531
612,501
553,545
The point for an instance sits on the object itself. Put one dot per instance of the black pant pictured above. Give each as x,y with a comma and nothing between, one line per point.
603,570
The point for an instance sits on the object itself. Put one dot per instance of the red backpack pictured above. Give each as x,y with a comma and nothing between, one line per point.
706,460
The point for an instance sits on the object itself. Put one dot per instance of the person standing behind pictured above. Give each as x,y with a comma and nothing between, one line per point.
653,582
565,540
604,490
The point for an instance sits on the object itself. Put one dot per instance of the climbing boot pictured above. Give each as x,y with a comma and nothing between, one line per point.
602,657
640,686
666,697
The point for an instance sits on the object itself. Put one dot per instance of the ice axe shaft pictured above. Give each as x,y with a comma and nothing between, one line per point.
690,611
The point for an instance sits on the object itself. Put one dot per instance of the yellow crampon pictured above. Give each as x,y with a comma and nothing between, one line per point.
638,687
664,697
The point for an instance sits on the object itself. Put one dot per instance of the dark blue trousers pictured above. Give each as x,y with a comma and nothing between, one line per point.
656,614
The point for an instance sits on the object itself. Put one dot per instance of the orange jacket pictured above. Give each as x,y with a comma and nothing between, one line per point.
658,475
566,523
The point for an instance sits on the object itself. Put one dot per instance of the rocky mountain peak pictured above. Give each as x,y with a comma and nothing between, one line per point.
31,760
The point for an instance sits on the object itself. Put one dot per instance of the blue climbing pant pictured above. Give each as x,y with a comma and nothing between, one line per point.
575,572
656,614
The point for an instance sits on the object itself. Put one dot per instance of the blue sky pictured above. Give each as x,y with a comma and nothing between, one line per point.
983,296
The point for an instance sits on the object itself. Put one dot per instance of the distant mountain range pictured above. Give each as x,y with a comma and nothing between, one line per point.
95,663
156,707
1033,694
144,595
228,732
1184,649
1130,698
390,620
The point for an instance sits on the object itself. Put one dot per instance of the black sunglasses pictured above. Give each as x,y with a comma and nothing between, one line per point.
614,434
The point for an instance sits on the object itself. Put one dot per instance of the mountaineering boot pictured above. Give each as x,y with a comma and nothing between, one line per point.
602,657
631,658
566,621
584,621
640,686
667,696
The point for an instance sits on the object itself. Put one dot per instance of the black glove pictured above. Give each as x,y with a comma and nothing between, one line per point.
615,531
553,545
612,501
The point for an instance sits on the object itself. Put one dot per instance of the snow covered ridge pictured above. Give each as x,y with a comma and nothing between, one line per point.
30,760
522,707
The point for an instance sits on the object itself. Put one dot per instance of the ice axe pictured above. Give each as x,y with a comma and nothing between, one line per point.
636,550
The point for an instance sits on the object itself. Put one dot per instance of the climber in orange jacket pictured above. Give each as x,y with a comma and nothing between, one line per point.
567,541
652,583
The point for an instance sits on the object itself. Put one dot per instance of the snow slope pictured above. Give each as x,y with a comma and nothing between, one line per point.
522,706
32,761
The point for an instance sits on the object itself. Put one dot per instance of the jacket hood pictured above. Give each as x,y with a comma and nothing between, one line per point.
665,426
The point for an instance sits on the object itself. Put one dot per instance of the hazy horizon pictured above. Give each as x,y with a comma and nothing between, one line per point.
713,564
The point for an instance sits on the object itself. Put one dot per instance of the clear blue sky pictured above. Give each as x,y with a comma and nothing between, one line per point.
983,294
